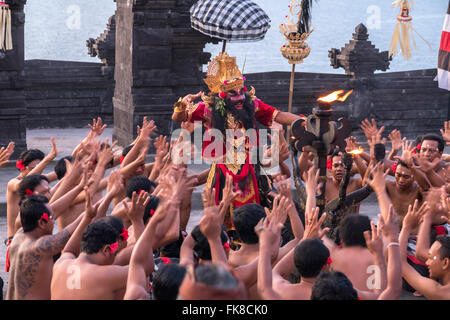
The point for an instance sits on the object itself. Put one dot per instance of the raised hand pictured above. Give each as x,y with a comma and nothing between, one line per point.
54,152
190,98
374,240
313,225
396,140
414,215
407,153
446,132
106,154
138,203
390,226
370,129
148,128
5,153
281,207
115,183
228,193
378,181
97,127
311,179
283,186
208,197
91,211
268,232
445,202
427,166
210,224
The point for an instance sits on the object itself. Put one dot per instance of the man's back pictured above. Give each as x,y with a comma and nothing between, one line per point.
354,262
79,279
31,270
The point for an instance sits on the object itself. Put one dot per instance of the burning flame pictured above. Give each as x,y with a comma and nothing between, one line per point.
335,96
357,151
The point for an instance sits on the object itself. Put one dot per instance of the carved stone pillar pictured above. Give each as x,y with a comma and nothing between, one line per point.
360,59
159,57
12,84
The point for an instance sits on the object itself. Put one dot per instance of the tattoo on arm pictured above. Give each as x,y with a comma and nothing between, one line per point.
54,244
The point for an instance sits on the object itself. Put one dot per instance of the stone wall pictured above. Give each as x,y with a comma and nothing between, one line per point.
70,94
63,94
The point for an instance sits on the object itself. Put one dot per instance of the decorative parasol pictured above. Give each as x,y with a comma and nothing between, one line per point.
230,20
5,27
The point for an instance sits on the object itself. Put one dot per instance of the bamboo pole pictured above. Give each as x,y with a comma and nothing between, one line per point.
291,96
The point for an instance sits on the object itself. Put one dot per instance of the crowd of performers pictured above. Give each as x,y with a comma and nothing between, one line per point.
122,222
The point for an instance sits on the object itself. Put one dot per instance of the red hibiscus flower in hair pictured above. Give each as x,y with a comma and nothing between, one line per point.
20,165
329,164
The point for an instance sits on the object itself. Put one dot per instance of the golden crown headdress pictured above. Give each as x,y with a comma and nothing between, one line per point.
223,74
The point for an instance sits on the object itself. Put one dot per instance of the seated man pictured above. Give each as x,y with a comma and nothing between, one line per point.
93,276
438,262
353,258
310,257
404,190
32,249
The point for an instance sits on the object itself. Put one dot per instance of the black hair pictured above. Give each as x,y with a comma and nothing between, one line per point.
167,281
31,210
151,205
352,230
114,222
29,156
215,276
444,250
29,182
172,250
245,219
435,137
310,256
127,149
60,167
246,115
336,152
333,286
403,164
201,246
96,236
138,183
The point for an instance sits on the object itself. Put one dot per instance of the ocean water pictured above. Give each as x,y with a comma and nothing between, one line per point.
58,30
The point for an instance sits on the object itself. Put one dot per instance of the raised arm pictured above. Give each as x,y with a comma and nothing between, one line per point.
390,229
268,233
430,288
72,248
48,158
141,263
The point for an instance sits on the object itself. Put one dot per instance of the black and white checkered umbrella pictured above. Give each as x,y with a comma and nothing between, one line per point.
230,20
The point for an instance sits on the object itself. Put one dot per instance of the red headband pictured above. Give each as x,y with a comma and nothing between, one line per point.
29,192
121,159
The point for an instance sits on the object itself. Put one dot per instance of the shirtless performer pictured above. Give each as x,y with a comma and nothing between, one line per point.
337,174
30,162
32,249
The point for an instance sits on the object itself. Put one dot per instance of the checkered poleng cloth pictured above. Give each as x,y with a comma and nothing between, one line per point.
231,20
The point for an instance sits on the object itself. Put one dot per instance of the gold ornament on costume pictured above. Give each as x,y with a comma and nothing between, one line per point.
296,49
5,27
223,74
403,32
